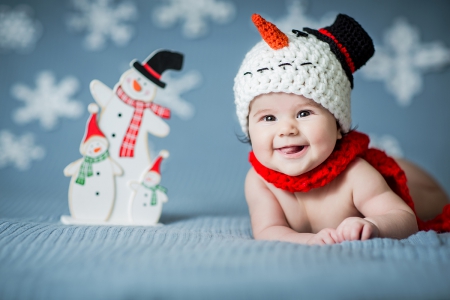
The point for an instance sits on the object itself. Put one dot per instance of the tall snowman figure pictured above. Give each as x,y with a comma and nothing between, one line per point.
128,115
148,195
91,190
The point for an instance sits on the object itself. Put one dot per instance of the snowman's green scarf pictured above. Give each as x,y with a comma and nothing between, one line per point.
154,189
86,167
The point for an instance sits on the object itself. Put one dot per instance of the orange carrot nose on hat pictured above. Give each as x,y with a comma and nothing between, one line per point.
273,36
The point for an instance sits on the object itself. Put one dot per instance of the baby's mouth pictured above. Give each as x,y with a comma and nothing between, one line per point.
291,149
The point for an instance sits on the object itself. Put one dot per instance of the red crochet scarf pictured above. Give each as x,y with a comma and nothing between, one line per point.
352,145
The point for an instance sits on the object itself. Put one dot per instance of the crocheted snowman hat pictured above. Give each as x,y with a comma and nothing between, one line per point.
317,64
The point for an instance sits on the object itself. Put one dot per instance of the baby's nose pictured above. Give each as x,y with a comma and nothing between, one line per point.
289,128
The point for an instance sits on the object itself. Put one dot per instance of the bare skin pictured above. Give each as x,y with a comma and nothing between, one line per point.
428,196
292,134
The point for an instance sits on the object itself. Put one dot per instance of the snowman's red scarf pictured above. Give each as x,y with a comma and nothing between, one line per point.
352,145
129,140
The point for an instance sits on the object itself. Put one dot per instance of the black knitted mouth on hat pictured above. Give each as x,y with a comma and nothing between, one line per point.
349,42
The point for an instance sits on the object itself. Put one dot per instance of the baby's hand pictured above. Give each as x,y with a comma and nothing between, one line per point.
354,228
327,236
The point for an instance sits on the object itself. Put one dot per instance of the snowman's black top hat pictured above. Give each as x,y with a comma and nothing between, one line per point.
157,63
350,43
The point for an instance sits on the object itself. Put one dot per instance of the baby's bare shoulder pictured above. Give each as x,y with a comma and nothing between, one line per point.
255,186
366,182
360,170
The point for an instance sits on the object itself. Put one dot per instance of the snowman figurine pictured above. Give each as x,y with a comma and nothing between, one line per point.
128,115
147,197
91,190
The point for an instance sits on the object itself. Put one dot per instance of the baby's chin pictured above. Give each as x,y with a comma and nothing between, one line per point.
295,171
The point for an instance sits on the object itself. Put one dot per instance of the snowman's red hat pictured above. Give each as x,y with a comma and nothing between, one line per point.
92,129
157,163
157,63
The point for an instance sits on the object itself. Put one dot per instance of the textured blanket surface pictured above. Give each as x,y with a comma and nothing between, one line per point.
211,257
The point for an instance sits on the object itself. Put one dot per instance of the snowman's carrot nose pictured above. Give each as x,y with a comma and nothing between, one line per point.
273,36
137,87
97,149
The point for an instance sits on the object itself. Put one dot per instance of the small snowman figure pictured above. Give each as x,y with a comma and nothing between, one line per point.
146,200
129,115
92,187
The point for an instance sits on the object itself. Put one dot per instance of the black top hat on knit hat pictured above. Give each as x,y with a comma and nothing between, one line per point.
157,63
350,43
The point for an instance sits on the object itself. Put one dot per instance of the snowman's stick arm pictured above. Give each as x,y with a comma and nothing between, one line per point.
73,168
101,93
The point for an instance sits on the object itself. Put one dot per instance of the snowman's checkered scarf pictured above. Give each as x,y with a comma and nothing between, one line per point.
129,140
155,188
86,167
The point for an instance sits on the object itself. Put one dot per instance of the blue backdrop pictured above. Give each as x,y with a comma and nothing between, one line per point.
74,42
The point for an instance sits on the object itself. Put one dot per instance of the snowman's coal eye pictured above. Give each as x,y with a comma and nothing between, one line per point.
263,69
247,73
306,63
299,33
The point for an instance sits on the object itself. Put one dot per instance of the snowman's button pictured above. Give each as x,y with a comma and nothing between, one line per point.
113,135
97,193
119,115
98,173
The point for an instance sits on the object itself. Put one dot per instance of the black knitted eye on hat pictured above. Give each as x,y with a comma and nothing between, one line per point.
350,43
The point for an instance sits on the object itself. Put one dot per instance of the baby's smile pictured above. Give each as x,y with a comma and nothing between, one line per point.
292,151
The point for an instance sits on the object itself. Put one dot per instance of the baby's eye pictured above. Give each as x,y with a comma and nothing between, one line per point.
269,118
303,113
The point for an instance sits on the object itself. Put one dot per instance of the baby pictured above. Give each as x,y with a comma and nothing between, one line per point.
313,180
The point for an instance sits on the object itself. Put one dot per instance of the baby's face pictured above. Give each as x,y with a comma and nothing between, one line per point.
290,133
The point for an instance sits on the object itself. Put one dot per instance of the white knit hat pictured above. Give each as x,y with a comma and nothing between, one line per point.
318,66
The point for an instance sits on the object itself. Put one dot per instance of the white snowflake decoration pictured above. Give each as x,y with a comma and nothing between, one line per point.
297,18
193,14
387,143
170,96
18,30
102,20
48,101
18,151
403,60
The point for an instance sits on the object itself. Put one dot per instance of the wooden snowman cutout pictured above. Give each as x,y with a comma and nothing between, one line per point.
92,187
147,198
128,115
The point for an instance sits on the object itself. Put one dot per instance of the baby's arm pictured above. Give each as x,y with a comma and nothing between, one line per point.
268,219
386,214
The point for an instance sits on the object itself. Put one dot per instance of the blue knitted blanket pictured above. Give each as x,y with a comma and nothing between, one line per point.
211,257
